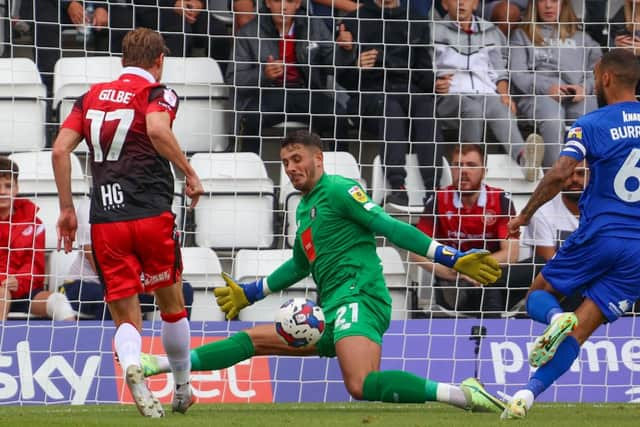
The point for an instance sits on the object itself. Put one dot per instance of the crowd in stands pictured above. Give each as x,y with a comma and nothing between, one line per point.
412,76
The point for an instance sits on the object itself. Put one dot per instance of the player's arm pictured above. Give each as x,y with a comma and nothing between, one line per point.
354,204
165,142
547,189
478,264
66,141
236,296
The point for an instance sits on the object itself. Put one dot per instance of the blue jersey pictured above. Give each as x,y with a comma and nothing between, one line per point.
609,139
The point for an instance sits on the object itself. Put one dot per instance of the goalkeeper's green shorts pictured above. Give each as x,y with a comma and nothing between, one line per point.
359,315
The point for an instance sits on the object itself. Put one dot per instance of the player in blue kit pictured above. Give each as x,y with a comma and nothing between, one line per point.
601,257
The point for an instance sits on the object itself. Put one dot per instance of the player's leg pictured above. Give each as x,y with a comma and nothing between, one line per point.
120,270
261,340
357,333
543,301
53,305
589,318
5,302
127,343
359,359
609,266
158,249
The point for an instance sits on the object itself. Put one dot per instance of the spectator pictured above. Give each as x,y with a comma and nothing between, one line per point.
243,12
281,64
473,83
550,65
85,290
335,8
552,224
48,18
192,24
394,83
22,255
129,14
470,215
625,29
506,14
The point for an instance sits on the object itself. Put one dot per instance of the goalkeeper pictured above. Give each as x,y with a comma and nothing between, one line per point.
335,242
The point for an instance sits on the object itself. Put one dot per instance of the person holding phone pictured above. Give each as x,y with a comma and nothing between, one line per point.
625,29
550,59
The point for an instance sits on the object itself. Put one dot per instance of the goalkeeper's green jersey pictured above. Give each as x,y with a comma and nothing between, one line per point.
334,241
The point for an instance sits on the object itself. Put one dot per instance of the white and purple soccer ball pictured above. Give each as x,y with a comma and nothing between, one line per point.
300,322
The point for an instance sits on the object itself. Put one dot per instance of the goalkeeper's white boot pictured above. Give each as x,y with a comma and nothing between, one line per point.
480,399
516,409
182,398
545,346
146,402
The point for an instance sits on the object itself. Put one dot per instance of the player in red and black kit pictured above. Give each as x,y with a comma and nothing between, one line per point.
127,125
469,215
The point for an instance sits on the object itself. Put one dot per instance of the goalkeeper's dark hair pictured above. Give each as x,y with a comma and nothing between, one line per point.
8,168
623,64
303,137
141,47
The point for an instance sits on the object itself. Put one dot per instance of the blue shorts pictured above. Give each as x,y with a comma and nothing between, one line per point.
605,269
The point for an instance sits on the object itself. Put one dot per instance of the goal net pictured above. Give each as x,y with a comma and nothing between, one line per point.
230,124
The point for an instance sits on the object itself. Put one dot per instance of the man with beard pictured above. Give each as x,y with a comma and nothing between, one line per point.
470,214
600,259
554,222
557,218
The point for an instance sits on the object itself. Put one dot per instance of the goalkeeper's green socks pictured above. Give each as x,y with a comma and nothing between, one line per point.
404,387
222,354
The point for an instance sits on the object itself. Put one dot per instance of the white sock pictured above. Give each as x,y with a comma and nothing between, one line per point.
555,316
526,395
176,339
448,393
127,342
163,364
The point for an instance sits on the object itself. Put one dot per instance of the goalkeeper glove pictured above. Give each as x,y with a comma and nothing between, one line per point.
478,264
236,296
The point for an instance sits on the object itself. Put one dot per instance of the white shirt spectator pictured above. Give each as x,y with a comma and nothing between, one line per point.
81,268
550,225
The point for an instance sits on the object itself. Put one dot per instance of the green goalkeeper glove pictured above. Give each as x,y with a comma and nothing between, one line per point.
236,296
478,264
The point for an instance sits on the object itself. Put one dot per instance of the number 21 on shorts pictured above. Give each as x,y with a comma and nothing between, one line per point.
346,316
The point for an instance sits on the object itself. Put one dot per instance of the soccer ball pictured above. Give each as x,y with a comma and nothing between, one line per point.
300,322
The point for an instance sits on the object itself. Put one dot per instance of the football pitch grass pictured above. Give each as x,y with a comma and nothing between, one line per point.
310,415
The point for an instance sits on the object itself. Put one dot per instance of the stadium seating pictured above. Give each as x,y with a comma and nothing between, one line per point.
250,265
503,172
73,76
395,276
335,162
413,183
22,106
201,123
36,182
237,208
201,268
58,265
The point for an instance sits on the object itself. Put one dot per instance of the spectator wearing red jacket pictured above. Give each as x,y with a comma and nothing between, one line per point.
470,214
22,255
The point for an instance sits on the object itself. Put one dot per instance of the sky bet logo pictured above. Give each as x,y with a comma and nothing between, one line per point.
52,379
248,381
